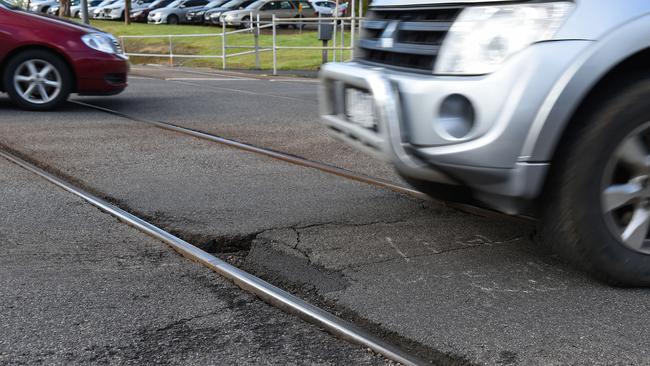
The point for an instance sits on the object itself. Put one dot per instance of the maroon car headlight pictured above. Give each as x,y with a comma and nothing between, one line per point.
101,42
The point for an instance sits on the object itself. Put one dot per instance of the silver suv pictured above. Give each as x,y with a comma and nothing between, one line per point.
537,108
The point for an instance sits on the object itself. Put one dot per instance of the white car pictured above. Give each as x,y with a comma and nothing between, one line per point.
75,10
175,12
101,11
42,6
323,7
93,9
116,10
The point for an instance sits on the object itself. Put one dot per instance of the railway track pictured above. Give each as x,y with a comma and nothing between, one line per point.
246,281
296,160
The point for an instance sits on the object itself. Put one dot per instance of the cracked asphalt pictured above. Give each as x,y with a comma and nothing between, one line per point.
451,287
78,287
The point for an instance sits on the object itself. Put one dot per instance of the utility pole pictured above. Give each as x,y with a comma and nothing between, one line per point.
127,12
84,11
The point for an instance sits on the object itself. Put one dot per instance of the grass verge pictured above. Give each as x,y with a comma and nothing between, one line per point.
288,59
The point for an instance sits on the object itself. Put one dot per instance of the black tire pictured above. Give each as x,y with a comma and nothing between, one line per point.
172,19
59,65
245,23
574,222
45,9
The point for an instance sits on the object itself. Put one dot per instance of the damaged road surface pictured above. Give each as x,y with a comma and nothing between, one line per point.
449,286
79,287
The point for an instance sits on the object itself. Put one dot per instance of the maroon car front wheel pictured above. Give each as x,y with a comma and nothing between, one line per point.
37,80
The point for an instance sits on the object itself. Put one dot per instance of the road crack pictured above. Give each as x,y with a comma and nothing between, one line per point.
434,253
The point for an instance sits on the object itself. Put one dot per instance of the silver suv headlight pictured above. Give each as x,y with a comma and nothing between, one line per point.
100,42
484,37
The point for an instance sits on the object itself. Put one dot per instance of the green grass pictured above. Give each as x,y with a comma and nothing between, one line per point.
287,59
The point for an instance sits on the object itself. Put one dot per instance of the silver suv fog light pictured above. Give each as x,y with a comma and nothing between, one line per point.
456,117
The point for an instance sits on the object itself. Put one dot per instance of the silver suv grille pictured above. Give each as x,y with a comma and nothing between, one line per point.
405,38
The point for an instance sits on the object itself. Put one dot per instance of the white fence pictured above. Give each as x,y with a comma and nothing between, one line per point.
335,50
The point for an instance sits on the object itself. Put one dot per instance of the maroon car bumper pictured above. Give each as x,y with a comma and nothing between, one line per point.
100,74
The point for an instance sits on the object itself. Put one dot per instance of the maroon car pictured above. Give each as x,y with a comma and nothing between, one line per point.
43,60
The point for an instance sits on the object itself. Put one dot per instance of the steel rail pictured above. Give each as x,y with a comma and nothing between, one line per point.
330,169
266,152
246,281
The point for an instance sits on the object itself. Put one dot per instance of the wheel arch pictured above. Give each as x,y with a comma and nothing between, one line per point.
594,75
52,50
619,76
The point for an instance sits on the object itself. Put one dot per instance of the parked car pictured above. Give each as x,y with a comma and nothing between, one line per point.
212,16
54,9
75,9
42,6
327,7
116,11
140,15
266,9
534,108
44,59
111,11
91,9
101,9
196,16
175,12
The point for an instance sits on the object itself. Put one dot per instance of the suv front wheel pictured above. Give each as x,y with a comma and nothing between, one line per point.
597,210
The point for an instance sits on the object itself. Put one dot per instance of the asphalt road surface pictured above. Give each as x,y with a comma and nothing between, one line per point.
446,285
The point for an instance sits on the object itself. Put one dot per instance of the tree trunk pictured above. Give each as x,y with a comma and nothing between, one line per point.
64,8
127,12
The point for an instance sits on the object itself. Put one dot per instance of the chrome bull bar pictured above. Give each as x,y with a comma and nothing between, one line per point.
387,141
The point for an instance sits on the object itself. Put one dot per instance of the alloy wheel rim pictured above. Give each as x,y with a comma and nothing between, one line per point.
37,81
625,196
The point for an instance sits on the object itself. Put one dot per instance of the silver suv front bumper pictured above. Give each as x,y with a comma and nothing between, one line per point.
488,160
386,142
